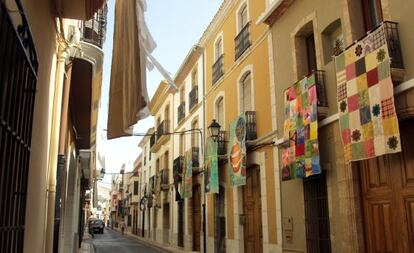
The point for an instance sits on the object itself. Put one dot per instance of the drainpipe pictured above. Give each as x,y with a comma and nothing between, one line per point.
61,175
204,174
53,147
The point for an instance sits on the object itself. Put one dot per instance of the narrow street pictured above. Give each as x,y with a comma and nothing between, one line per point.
114,242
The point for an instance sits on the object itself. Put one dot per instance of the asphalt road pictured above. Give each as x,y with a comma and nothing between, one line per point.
114,242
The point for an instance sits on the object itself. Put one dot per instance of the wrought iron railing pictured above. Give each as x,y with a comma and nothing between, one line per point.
164,177
218,69
181,112
94,30
152,140
195,156
251,132
162,129
389,31
193,97
221,143
18,78
321,88
242,40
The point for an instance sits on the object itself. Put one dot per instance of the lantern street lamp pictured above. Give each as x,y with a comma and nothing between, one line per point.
214,129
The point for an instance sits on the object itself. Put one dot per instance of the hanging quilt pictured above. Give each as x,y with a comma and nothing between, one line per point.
187,190
237,151
368,122
300,156
211,166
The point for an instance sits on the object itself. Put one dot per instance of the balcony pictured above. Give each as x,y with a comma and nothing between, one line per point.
320,82
242,41
251,131
161,136
152,140
218,69
165,180
94,30
221,144
193,97
389,31
181,112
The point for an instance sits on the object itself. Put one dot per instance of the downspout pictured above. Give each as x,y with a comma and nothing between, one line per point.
204,136
53,147
61,171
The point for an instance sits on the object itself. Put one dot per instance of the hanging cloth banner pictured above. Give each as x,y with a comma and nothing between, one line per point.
187,184
300,157
367,117
237,152
178,173
158,190
211,166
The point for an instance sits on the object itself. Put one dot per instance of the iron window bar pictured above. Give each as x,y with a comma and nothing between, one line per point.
242,40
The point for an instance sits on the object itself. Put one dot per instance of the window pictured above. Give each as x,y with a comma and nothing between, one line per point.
182,144
194,135
135,187
194,77
182,94
166,160
332,40
245,92
372,13
243,17
220,111
218,48
149,155
157,166
145,155
311,54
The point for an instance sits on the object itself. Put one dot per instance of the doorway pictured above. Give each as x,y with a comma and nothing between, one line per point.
196,205
180,221
387,186
252,207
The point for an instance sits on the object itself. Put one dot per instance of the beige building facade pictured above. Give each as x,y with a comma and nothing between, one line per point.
355,200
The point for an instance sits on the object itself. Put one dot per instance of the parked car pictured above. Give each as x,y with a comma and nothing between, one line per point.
97,226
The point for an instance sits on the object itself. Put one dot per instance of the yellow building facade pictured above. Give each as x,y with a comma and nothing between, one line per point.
237,81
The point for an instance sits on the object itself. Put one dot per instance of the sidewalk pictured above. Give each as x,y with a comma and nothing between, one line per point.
86,245
151,243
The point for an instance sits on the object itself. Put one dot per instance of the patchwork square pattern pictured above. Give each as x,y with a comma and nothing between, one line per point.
367,120
301,154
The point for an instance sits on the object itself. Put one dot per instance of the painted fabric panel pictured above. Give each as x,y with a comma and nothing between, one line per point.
187,184
300,156
211,166
237,151
158,190
367,117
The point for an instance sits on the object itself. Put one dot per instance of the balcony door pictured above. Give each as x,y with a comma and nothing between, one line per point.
311,53
246,93
196,201
387,186
372,11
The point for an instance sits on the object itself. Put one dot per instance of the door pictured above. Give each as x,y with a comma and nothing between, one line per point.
220,213
180,218
387,185
252,207
196,217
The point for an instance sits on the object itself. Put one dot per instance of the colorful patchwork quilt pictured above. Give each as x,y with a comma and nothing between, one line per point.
368,121
300,158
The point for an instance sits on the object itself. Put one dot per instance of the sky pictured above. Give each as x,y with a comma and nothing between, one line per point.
176,26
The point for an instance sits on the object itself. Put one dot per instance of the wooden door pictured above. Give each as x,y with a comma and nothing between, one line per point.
387,184
196,217
180,218
252,207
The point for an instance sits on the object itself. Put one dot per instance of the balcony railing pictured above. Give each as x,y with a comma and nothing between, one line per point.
181,112
391,34
94,30
221,143
251,132
218,69
243,40
193,97
162,129
152,140
195,156
321,88
165,181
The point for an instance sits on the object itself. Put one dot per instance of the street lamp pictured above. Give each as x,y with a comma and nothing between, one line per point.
214,129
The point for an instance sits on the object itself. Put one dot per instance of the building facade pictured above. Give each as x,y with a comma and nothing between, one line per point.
355,199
